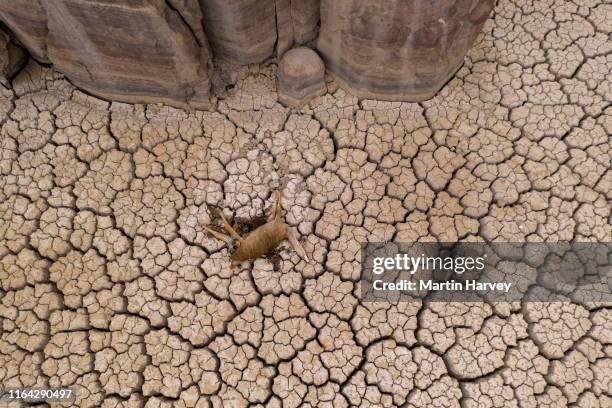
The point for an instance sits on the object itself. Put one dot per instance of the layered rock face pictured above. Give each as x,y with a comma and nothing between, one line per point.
28,22
158,50
243,31
133,50
398,49
296,22
305,16
247,31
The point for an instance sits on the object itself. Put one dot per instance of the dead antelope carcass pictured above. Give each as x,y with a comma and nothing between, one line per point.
262,239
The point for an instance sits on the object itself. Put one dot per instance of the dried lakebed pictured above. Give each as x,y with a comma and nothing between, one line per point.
109,284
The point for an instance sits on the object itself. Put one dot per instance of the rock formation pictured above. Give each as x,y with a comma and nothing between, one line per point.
296,22
305,17
397,49
242,31
28,22
250,31
11,57
133,50
301,76
158,50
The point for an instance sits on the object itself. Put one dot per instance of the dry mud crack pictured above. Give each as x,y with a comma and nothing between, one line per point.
109,284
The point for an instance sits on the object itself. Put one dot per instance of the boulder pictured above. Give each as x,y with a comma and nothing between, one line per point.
128,50
12,58
301,76
397,49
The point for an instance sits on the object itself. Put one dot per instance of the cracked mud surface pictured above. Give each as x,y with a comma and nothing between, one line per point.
109,284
